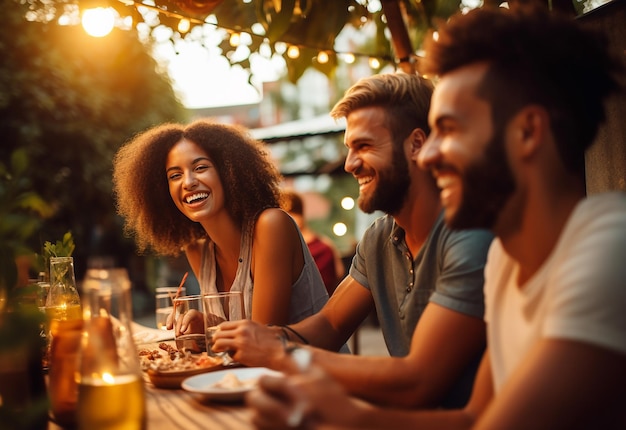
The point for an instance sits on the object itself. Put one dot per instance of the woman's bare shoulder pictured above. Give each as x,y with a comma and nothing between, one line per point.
275,221
273,216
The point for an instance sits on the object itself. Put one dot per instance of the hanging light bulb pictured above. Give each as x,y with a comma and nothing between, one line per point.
322,57
235,40
184,25
374,63
99,21
293,52
349,58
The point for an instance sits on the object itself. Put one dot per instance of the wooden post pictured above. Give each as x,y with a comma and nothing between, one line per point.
399,35
606,159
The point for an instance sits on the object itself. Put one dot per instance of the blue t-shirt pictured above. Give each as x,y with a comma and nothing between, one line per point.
448,271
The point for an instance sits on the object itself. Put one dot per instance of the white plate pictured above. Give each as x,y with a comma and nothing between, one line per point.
143,334
204,384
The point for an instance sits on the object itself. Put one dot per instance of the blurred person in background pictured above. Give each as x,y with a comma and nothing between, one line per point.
324,251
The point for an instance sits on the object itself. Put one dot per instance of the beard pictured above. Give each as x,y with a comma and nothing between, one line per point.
487,186
392,188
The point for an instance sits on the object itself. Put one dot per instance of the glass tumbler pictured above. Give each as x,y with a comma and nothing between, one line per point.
220,307
164,304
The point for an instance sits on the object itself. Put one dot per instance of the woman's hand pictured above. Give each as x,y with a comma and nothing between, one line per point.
190,322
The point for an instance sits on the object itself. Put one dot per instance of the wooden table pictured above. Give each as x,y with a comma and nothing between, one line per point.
169,409
177,409
172,409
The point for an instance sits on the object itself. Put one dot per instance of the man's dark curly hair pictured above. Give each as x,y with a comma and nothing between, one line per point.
534,56
251,182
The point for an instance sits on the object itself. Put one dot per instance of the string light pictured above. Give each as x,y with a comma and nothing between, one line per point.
322,57
184,25
349,58
235,40
374,63
293,51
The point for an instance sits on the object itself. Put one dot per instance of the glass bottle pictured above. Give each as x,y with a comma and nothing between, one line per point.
110,383
63,364
63,329
63,301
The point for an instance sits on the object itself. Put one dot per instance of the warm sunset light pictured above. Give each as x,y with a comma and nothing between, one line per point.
98,22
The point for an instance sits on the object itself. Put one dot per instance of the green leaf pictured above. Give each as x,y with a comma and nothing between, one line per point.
276,22
62,248
33,201
296,67
320,27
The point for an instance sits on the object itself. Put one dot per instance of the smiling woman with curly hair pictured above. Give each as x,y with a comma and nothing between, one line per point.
211,191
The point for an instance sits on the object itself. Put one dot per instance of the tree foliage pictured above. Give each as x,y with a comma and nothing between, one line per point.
69,101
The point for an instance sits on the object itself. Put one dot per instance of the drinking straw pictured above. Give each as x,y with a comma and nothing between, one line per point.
180,288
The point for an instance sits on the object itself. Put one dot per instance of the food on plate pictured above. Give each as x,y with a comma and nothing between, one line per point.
169,359
230,381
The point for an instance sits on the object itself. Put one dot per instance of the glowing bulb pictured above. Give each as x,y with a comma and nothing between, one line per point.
322,57
293,52
374,63
98,22
235,40
349,58
184,25
340,229
347,203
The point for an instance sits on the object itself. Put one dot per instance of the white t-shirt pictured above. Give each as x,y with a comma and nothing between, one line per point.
578,294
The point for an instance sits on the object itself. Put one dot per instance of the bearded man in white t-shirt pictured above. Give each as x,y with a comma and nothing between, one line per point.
511,123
